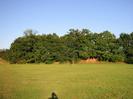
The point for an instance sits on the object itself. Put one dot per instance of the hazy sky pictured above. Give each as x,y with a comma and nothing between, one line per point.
48,16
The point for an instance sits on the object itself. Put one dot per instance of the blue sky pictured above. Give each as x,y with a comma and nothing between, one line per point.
48,16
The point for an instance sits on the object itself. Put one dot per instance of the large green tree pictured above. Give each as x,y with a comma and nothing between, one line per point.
126,43
107,48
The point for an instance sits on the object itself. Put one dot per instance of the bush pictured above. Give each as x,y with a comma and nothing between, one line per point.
129,60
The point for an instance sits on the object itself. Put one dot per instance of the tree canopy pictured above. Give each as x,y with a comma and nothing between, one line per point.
74,46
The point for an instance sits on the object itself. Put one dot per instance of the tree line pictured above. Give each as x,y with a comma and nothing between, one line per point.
72,47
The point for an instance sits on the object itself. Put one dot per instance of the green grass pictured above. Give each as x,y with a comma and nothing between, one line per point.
78,81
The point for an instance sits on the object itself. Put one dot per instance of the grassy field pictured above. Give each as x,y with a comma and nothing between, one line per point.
78,81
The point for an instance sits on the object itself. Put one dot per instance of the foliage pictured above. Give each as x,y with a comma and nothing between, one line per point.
126,41
72,47
4,54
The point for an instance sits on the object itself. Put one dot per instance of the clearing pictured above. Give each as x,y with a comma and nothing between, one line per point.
68,81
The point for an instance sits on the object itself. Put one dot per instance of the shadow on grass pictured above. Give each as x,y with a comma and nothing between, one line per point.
53,96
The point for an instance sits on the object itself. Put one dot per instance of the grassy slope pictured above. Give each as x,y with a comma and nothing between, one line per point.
79,81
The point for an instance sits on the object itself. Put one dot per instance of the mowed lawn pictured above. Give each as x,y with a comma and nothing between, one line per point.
68,81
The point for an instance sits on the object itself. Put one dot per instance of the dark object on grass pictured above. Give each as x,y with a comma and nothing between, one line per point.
53,96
